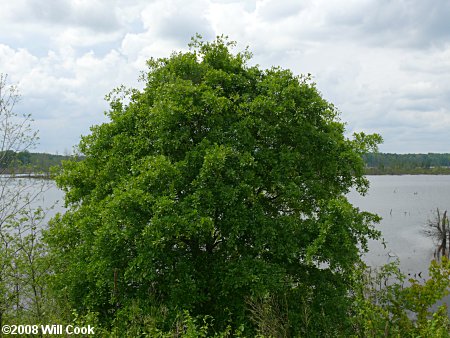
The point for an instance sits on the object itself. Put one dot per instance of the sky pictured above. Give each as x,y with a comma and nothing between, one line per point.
385,64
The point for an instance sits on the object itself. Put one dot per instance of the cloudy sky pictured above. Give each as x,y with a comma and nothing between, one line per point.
384,63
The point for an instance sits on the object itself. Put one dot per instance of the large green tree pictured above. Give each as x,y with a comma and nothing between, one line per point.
217,188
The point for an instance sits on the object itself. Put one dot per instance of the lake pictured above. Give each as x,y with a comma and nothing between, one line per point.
406,203
42,193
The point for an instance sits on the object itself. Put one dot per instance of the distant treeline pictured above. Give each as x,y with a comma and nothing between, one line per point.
376,163
397,164
28,163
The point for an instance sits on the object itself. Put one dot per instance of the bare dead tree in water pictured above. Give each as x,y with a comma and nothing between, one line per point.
439,230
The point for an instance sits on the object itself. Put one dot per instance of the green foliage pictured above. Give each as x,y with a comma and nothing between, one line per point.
23,269
140,325
216,185
384,306
419,297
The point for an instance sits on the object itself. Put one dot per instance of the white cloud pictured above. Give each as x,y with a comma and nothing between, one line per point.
385,64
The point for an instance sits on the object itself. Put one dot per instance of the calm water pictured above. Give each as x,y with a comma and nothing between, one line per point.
405,203
43,193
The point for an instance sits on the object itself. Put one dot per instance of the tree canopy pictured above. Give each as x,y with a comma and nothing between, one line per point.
218,186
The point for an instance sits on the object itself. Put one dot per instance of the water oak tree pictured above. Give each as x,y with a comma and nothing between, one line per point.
218,185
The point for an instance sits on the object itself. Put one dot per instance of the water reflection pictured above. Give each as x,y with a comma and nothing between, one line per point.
405,203
439,230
